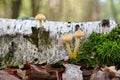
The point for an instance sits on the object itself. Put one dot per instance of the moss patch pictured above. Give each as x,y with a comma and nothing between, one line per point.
9,56
105,48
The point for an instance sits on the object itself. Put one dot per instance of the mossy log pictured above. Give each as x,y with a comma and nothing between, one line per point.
19,39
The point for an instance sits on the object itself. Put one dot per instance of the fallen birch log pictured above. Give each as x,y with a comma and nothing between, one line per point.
19,42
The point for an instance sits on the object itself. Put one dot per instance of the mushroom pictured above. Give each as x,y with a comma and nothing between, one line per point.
40,17
78,34
66,38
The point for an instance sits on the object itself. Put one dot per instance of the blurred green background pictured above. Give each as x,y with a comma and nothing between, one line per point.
62,10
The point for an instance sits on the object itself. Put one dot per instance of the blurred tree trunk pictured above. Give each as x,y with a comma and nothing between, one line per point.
113,10
90,10
55,9
16,8
35,7
60,9
5,7
96,10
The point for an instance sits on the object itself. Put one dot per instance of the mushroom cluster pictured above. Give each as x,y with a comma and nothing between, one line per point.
66,38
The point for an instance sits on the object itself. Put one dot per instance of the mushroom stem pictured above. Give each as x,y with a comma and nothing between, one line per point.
40,21
76,47
69,50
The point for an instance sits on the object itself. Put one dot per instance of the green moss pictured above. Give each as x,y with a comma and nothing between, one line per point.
85,60
0,63
38,35
9,56
105,46
15,64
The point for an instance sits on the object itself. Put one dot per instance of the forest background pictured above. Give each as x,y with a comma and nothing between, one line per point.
62,10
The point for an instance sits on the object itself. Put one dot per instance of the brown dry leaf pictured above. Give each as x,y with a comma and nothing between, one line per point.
5,76
38,73
110,69
21,73
10,70
27,65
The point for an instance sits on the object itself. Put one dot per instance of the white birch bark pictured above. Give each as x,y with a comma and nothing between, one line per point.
24,50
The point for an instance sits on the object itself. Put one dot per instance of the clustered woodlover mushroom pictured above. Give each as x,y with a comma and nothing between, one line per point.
67,39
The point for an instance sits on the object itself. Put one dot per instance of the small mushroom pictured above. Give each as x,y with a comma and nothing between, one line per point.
78,34
66,38
40,17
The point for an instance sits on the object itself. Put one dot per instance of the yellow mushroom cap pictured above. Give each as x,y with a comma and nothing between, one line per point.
66,38
40,17
78,34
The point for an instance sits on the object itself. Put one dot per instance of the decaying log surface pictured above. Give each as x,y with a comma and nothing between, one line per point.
18,39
